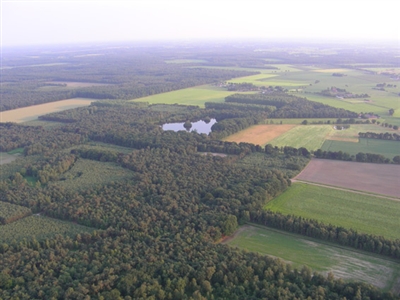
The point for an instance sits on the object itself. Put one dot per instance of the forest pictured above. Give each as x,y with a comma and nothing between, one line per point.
155,230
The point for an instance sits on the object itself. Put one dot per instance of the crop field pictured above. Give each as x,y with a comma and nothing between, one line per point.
324,258
259,134
10,212
308,136
39,227
190,96
388,149
89,173
24,114
373,178
341,208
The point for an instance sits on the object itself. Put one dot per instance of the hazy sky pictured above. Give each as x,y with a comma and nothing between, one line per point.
54,22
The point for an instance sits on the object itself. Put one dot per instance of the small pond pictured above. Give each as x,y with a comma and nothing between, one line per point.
199,126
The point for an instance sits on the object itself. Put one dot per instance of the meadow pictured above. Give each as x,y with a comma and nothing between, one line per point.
29,113
189,96
340,208
311,137
388,149
87,174
321,257
40,228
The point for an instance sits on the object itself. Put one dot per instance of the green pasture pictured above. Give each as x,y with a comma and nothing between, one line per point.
87,174
325,258
388,149
300,120
16,151
364,213
352,132
190,96
311,137
40,228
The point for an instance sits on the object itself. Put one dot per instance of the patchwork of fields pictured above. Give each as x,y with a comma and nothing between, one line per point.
325,258
32,112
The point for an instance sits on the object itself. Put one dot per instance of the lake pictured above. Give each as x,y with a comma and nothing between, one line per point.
199,126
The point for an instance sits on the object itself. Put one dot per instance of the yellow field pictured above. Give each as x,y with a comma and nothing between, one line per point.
259,134
331,70
29,113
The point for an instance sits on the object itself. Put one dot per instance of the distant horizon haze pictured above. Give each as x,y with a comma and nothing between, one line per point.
35,23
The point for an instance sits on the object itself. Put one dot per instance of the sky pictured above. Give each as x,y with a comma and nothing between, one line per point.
25,23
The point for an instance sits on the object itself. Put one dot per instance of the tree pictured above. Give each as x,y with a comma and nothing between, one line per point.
305,122
391,111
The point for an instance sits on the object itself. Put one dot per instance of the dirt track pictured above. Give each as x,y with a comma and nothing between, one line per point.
380,179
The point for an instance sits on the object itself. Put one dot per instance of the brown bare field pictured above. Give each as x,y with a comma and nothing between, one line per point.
259,134
373,178
29,113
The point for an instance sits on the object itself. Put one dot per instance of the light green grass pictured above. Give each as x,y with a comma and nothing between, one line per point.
364,213
190,96
308,136
87,174
16,151
39,227
299,251
299,120
352,132
388,149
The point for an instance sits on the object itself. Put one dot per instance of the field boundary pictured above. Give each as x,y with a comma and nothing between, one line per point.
344,189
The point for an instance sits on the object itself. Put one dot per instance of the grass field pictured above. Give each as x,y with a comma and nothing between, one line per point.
86,174
351,134
24,114
311,137
190,96
368,214
299,251
39,227
259,134
386,148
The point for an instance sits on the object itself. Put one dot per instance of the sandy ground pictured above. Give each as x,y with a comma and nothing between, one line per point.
260,134
30,113
381,179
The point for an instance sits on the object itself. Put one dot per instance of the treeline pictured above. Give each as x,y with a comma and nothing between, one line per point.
290,106
359,157
327,232
35,139
380,136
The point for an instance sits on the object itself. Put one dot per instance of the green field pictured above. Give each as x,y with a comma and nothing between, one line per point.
87,174
38,227
308,136
386,148
352,132
364,213
325,258
190,96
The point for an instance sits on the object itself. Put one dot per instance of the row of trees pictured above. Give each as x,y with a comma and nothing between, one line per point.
381,136
359,157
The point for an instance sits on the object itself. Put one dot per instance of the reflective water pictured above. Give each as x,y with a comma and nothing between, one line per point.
199,126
